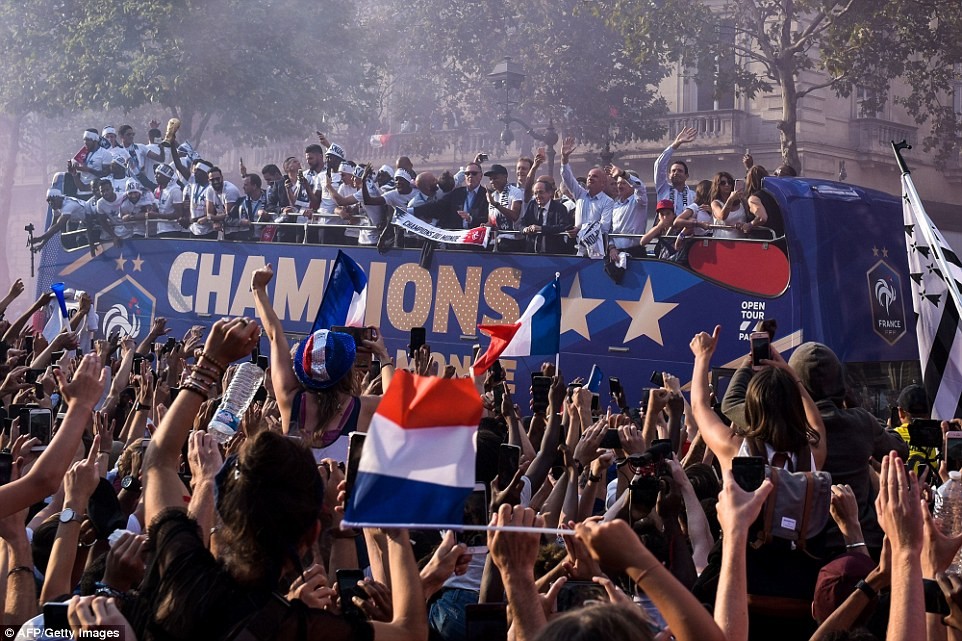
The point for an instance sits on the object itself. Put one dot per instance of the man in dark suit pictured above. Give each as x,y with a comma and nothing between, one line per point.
544,219
461,208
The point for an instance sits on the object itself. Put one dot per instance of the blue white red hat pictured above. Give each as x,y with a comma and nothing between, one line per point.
133,186
324,358
164,170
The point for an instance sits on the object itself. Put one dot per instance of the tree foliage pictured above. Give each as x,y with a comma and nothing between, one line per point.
774,43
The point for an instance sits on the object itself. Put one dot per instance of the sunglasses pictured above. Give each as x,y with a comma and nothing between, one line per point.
472,173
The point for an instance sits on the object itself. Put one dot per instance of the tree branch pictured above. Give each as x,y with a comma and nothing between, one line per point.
801,93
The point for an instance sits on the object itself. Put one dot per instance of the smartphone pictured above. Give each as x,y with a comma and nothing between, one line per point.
375,369
614,387
749,472
574,594
260,395
645,397
483,157
540,386
925,432
55,616
263,362
953,451
571,389
657,379
355,445
40,423
475,513
169,346
13,412
417,339
498,391
509,458
610,440
761,348
6,467
33,375
497,372
347,581
739,184
104,510
642,496
174,391
28,343
894,418
486,622
594,405
362,360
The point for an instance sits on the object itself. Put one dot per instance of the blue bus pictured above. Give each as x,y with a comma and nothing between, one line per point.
834,271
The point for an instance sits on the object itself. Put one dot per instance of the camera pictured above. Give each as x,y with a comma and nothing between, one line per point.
29,228
483,157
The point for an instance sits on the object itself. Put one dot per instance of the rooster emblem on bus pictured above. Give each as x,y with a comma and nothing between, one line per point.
125,307
884,293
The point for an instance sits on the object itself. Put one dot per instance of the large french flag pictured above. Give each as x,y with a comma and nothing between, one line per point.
418,463
537,332
345,297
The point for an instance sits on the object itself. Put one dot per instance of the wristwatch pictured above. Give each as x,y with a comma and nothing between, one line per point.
68,515
130,483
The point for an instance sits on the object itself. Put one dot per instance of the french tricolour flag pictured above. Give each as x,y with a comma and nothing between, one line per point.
345,297
537,332
417,467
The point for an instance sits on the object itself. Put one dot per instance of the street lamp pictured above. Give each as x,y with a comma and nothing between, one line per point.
508,77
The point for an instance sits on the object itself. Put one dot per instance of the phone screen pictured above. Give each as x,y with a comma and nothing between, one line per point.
497,372
104,510
416,340
355,446
953,451
41,426
574,594
263,361
475,513
486,622
749,472
540,385
375,369
509,457
739,184
55,616
347,581
761,348
657,379
614,386
498,397
610,440
6,467
925,433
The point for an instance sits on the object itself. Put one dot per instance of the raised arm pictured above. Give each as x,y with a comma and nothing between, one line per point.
282,370
717,435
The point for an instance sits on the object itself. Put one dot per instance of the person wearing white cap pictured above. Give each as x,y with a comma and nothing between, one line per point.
91,163
347,198
109,137
397,197
196,200
108,212
170,202
630,212
65,209
136,206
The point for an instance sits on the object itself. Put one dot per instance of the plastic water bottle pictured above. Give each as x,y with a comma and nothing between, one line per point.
949,512
247,378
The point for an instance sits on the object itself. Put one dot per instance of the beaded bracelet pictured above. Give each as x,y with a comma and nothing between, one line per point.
219,364
192,386
210,370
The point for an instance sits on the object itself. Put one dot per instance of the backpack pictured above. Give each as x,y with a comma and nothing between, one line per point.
798,507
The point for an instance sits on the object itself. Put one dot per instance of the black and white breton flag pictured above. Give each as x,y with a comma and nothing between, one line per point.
936,274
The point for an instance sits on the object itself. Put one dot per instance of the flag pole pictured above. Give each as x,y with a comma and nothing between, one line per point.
462,527
925,222
557,355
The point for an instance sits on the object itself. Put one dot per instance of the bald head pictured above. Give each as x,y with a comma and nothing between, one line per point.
403,162
426,183
597,181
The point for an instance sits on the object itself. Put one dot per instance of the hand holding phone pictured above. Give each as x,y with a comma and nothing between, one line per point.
761,348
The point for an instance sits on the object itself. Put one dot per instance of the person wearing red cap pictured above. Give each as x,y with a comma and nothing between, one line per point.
663,230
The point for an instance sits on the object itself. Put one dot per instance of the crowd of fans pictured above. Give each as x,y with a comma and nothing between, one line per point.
129,514
116,188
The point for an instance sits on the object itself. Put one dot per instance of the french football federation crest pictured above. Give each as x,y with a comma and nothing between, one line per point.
888,309
125,306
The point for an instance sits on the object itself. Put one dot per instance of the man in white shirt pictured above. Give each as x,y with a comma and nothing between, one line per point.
136,206
65,209
196,198
221,196
108,212
593,207
630,211
504,207
170,203
670,177
91,163
136,156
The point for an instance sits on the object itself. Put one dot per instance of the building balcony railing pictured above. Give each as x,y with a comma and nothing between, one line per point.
872,137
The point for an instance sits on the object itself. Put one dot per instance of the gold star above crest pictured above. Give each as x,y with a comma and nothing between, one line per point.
646,314
137,263
121,262
575,310
874,251
885,252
